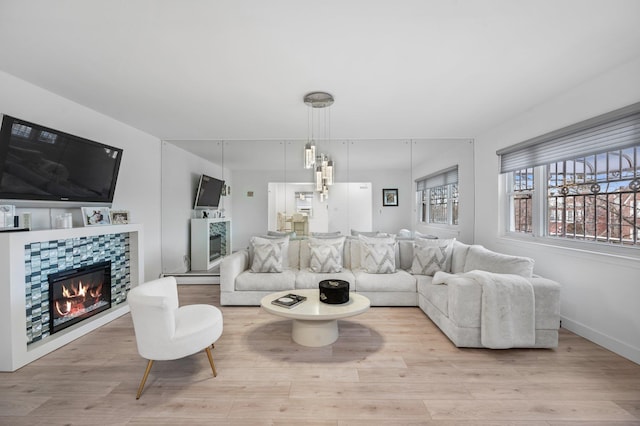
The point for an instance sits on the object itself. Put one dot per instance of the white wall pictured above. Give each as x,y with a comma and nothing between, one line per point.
181,172
600,294
138,187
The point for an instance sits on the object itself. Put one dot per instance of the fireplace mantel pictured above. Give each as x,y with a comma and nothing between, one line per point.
15,349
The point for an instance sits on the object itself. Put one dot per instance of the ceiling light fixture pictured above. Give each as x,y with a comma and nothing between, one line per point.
319,102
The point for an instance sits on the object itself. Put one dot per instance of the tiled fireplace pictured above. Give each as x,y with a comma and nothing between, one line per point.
28,260
44,258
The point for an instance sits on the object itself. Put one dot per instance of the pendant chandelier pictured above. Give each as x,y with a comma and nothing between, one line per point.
318,127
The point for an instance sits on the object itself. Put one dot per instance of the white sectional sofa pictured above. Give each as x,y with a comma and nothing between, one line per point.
454,303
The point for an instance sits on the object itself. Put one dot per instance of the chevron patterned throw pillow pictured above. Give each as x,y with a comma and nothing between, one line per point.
431,256
267,254
378,254
326,254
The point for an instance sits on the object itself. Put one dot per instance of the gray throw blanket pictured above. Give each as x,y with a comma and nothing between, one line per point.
507,317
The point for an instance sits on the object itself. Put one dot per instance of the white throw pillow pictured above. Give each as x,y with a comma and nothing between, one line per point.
290,234
378,254
431,256
355,233
428,236
335,234
326,254
264,239
268,254
484,259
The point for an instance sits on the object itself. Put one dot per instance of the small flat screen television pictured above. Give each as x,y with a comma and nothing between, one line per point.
40,166
208,193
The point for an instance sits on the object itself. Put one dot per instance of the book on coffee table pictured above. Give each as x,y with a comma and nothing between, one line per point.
289,301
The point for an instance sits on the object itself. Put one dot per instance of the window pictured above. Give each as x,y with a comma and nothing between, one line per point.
521,200
437,197
592,197
586,177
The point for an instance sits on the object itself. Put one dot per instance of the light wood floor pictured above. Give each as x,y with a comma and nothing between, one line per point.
390,366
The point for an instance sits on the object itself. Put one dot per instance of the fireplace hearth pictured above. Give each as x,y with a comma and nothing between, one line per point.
77,294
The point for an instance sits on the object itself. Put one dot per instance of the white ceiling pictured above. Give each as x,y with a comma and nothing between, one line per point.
238,69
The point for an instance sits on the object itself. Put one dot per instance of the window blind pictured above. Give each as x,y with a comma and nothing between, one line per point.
443,177
615,130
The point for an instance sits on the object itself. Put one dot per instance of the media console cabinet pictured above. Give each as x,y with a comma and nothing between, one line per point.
210,242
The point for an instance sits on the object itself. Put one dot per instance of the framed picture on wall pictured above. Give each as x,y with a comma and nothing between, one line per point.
390,197
92,216
119,217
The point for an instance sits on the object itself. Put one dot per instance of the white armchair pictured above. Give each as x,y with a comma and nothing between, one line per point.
165,331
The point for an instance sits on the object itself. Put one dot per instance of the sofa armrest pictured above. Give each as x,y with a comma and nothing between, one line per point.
232,266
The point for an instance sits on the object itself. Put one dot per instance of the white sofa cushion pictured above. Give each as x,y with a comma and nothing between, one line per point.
405,254
397,281
459,256
308,279
346,254
378,254
355,233
326,254
354,246
334,234
438,295
483,259
421,235
293,254
252,281
290,234
431,256
465,300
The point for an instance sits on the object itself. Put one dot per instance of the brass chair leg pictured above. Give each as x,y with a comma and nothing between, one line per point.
213,367
144,378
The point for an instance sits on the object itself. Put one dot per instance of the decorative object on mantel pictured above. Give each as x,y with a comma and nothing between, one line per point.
321,163
63,221
26,221
7,214
92,216
119,217
390,197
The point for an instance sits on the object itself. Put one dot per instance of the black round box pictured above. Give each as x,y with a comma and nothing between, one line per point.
334,291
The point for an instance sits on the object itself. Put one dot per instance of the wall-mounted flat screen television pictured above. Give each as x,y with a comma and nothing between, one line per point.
208,193
41,167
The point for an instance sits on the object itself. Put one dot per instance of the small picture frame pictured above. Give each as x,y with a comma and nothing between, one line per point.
390,197
119,217
95,216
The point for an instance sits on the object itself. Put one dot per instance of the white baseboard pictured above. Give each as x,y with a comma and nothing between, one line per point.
195,278
603,340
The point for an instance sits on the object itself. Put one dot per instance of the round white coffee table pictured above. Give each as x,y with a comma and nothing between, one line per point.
315,323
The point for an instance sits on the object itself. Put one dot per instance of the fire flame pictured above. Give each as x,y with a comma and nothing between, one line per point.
81,291
74,298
